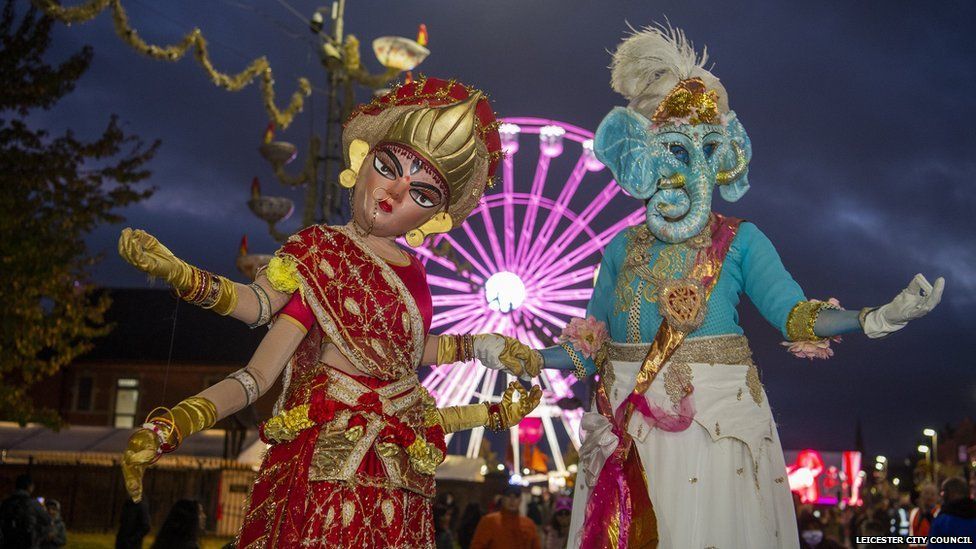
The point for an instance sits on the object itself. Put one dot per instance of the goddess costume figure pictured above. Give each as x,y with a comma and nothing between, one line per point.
681,450
355,438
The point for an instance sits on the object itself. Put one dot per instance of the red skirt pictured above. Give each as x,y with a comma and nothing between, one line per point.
287,510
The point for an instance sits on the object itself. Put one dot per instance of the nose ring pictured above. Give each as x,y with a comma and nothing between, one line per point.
384,194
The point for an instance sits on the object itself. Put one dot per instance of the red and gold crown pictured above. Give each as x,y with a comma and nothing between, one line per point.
448,125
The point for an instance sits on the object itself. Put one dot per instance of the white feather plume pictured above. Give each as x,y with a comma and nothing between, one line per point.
650,62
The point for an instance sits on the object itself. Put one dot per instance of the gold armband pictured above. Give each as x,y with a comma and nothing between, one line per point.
803,318
454,348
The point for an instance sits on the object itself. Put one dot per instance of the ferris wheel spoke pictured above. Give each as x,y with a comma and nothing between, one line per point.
426,253
579,224
576,294
467,255
496,247
556,212
562,308
508,227
453,315
546,315
448,283
566,279
476,242
454,300
532,209
601,240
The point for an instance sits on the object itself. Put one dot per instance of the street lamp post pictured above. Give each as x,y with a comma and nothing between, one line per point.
928,457
934,435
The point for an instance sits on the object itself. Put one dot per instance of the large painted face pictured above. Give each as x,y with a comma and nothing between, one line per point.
675,167
395,192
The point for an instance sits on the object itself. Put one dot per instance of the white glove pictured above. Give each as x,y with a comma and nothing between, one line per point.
500,353
915,301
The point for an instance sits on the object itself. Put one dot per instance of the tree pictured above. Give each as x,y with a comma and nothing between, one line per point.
53,191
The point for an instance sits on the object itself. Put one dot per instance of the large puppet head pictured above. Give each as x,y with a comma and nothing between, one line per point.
676,139
420,158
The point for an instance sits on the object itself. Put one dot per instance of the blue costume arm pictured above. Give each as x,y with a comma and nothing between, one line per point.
566,356
767,282
771,287
831,322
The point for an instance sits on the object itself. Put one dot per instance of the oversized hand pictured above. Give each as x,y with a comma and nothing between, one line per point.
915,301
512,412
505,353
141,452
144,252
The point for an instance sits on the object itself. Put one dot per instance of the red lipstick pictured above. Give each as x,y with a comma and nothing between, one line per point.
385,206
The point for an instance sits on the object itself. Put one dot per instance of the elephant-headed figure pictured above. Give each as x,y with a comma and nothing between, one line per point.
677,139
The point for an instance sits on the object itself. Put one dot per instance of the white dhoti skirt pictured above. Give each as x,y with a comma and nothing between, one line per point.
721,483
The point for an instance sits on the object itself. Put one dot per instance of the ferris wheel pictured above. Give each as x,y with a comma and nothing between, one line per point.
523,265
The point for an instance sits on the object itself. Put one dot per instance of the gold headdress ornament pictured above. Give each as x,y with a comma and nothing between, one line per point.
691,102
447,125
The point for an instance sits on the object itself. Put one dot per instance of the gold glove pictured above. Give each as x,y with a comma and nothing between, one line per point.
453,348
520,359
144,252
502,415
162,434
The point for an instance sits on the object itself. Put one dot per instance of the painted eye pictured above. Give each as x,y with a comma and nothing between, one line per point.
421,198
414,167
680,152
382,168
709,149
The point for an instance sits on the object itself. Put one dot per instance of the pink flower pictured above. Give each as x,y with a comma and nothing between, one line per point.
810,349
587,335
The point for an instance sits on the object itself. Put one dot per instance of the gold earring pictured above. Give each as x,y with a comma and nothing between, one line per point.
440,223
358,150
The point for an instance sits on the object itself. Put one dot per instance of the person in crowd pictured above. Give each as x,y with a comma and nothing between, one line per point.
506,528
812,534
57,535
556,533
133,525
23,521
957,517
182,527
920,519
468,523
833,526
443,535
447,499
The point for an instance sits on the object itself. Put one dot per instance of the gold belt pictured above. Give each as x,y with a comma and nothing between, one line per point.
730,349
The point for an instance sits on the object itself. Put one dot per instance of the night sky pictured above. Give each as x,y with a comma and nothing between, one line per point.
861,116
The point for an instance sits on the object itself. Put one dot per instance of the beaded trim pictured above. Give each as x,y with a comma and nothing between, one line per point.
802,319
730,349
578,368
248,383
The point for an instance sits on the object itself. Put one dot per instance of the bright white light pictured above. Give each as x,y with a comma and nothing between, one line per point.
551,140
879,466
508,133
896,481
881,459
923,448
929,432
504,292
591,162
515,480
526,471
500,467
484,469
572,468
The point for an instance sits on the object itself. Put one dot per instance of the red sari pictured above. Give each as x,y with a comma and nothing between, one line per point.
352,457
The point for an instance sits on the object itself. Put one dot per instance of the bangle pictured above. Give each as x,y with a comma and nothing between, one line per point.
494,417
264,305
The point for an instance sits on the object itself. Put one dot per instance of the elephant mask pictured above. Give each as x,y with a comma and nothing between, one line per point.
673,167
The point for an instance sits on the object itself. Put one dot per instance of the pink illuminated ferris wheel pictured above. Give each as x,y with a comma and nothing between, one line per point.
523,265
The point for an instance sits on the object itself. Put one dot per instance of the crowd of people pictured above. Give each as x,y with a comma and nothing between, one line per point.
518,520
948,510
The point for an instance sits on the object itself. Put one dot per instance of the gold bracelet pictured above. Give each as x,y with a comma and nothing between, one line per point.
803,318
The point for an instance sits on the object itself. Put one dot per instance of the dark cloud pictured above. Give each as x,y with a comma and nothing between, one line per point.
861,116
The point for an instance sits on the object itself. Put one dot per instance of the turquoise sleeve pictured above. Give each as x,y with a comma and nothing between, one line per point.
601,302
767,282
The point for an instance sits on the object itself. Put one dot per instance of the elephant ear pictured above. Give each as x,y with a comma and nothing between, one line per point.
621,144
734,191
